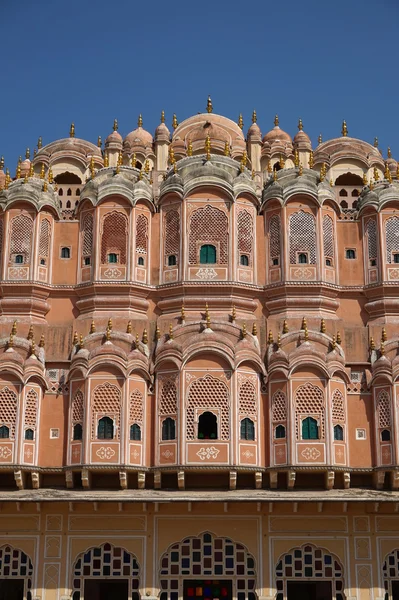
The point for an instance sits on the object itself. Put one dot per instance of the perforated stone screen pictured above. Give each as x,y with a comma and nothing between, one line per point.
114,237
384,409
247,399
274,237
87,228
309,401
392,237
207,226
206,393
371,235
328,237
78,408
106,402
302,236
172,234
44,238
136,407
168,399
279,404
245,234
8,410
141,234
338,407
31,406
21,236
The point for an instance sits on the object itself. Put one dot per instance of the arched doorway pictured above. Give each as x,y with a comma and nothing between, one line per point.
16,572
207,567
104,573
309,572
390,569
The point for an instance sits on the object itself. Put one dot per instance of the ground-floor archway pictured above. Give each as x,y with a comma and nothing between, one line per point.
309,573
104,573
390,569
207,567
16,572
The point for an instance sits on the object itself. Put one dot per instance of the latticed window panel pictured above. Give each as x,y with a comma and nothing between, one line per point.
136,408
15,563
168,397
208,557
8,410
245,234
206,393
247,399
31,406
384,409
1,236
106,402
390,567
274,238
209,225
106,561
21,237
142,234
44,238
309,562
302,236
338,407
87,230
371,235
328,237
279,407
114,237
172,233
78,408
309,401
392,237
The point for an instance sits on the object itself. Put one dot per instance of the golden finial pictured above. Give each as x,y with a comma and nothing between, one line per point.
11,341
344,129
306,333
14,328
208,147
39,143
99,142
389,153
275,175
81,341
115,127
7,179
1,163
254,117
109,324
300,125
34,152
339,339
120,158
311,160
233,313
31,171
133,160
372,344
140,121
189,148
206,311
270,339
174,122
209,107
208,321
162,116
72,130
322,326
182,313
253,174
147,166
269,167
333,343
282,161
384,336
145,337
278,340
92,169
108,334
320,138
226,148
42,172
106,159
376,174
244,330
172,158
300,170
304,323
296,158
331,182
285,326
243,162
32,349
50,175
365,181
158,334
26,178
240,121
30,333
45,186
27,154
387,172
137,340
382,348
129,327
18,171
254,329
276,121
55,187
376,142
170,331
92,327
75,338
118,168
322,172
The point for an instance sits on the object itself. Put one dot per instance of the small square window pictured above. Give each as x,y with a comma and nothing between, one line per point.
275,262
43,261
140,261
54,434
87,260
302,258
350,253
395,257
172,260
361,434
65,252
373,262
328,262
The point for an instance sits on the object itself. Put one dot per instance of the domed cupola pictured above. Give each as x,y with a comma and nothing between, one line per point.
2,174
114,140
25,164
254,132
392,164
277,137
162,133
139,140
302,140
67,148
254,138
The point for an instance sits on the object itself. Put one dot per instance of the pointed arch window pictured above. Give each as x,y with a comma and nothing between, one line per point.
135,432
77,432
207,426
168,429
338,433
105,429
4,432
279,432
247,430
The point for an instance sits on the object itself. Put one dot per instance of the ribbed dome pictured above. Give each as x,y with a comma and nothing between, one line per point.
162,133
254,133
138,138
68,146
197,128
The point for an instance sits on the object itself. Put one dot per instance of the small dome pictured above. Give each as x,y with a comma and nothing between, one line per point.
25,166
392,164
254,133
221,130
302,140
114,140
162,133
277,135
139,138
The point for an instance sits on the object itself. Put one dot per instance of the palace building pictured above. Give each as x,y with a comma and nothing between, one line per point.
199,367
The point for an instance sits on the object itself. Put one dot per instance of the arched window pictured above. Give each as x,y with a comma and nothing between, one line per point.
142,234
60,192
207,426
168,429
247,430
105,429
140,261
135,432
29,434
208,393
310,430
172,260
69,192
68,204
77,432
385,435
343,193
302,237
244,260
279,432
302,258
355,193
328,239
112,257
4,432
350,254
207,254
338,433
77,192
344,204
65,252
19,259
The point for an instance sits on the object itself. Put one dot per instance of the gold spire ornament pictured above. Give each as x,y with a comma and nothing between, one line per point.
372,344
133,160
306,334
371,184
30,333
108,334
109,324
254,117
276,121
376,174
344,129
333,343
254,329
162,116
14,328
182,313
75,338
147,166
72,130
45,186
282,161
269,167
365,180
275,175
140,121
50,175
244,330
253,174
157,334
137,340
300,170
39,143
304,323
174,121
233,313
382,348
81,341
322,326
240,121
106,160
300,125
129,327
209,106
7,180
320,138
27,154
387,173
115,127
339,339
32,350
376,142
243,162
389,153
189,148
226,148
42,172
145,337
278,340
31,172
92,327
175,168
270,339
172,158
92,169
384,336
11,341
296,158
208,147
99,142
285,326
170,331
18,171
1,163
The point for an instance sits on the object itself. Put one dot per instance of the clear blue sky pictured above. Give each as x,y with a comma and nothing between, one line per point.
89,62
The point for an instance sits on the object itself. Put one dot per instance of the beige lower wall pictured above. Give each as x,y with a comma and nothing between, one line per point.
53,535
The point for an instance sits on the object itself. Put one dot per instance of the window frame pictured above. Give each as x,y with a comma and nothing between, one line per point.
62,248
166,430
309,420
249,428
107,424
350,250
208,247
306,254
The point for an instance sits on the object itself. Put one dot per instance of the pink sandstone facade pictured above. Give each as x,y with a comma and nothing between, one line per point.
199,369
